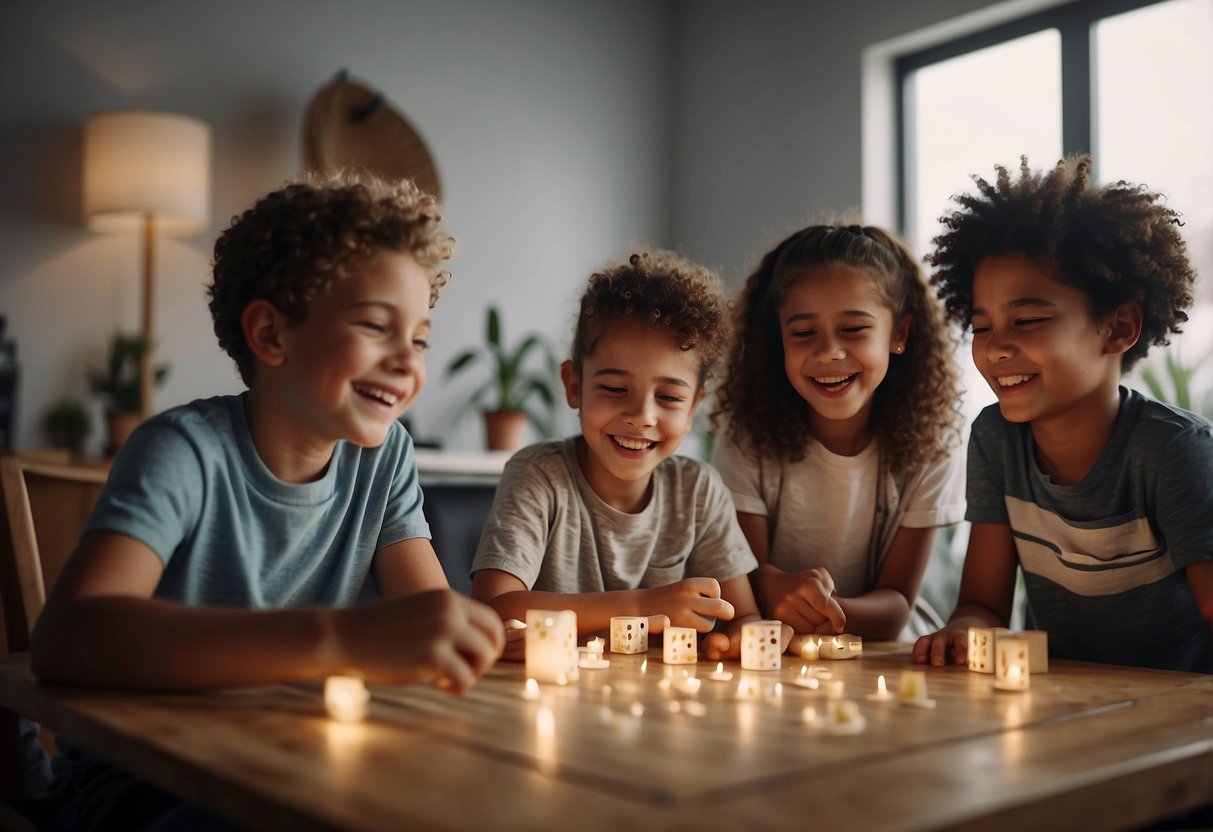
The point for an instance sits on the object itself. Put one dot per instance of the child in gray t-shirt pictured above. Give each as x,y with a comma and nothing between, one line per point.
610,522
1102,496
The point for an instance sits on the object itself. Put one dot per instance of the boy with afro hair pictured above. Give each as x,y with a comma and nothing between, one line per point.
1101,494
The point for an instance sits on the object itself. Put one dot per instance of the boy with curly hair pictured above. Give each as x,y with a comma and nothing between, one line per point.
234,533
611,522
1101,495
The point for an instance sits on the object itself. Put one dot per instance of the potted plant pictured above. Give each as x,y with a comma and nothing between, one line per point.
118,386
67,424
508,396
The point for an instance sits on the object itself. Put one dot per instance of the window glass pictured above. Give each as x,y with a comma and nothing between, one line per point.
1154,125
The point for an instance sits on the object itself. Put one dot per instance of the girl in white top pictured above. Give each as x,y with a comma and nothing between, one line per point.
841,446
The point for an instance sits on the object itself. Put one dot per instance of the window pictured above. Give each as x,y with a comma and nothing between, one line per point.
1128,80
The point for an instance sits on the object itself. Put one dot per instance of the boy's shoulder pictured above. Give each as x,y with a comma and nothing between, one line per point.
1154,425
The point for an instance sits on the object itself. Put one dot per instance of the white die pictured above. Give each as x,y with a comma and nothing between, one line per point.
760,645
629,634
678,645
551,646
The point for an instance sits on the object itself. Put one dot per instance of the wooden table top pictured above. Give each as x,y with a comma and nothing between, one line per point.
1089,746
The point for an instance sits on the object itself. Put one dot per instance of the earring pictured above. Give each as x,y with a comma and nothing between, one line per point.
897,349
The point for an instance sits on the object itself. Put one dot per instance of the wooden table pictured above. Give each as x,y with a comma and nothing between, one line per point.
1089,746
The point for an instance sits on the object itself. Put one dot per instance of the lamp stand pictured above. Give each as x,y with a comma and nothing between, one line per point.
147,383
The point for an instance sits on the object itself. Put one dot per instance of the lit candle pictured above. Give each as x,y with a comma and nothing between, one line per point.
551,646
912,690
530,690
591,659
346,698
806,679
805,646
882,694
1011,667
597,645
720,674
688,685
842,646
843,717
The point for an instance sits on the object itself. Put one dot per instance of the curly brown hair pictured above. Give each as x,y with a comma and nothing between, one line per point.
294,242
659,288
1114,243
915,410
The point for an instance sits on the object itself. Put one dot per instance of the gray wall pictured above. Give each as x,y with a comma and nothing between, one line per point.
564,132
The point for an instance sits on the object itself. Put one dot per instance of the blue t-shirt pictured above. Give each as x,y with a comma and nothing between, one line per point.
189,484
1104,559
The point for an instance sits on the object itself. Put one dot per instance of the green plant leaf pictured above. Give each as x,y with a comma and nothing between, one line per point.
1150,377
462,360
1180,376
492,332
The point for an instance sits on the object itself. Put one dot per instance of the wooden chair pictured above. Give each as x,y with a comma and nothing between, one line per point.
22,596
44,499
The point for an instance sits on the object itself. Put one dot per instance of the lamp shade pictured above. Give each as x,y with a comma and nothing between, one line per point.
139,164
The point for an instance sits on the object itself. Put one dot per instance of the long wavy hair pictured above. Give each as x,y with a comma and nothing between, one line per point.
915,410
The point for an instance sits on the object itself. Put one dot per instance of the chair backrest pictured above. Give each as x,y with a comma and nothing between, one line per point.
22,592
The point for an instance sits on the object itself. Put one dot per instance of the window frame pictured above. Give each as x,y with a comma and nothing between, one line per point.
1075,23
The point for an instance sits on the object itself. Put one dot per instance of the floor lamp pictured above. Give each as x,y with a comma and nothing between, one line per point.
147,172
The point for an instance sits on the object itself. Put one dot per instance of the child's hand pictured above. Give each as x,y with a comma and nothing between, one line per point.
935,648
515,641
691,602
807,601
727,645
437,636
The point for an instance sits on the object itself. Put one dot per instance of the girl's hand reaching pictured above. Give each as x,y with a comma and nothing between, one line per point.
807,600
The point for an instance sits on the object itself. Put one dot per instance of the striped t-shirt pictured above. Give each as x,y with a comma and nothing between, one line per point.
1104,559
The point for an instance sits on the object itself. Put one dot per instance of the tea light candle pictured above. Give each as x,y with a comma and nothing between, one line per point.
551,646
882,694
597,645
1011,667
806,679
346,698
591,659
720,674
842,646
912,690
530,690
843,717
805,646
688,685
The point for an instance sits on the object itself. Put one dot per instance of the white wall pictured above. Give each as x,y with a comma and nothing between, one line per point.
547,119
564,131
768,134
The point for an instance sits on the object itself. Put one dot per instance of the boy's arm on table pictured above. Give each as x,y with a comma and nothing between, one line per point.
805,600
987,590
102,627
407,567
882,612
691,602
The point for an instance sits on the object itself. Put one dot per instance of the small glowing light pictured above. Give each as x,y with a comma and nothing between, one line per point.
644,665
637,709
346,698
530,690
882,694
720,674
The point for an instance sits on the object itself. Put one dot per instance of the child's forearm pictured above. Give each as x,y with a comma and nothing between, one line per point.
975,614
594,609
144,643
880,615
